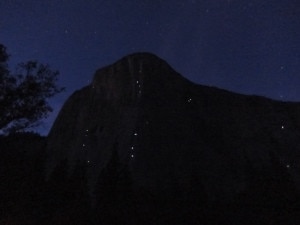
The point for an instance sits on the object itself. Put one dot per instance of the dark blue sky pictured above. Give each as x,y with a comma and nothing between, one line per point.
250,47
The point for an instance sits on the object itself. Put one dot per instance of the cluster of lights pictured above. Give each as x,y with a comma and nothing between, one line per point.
132,148
139,88
138,82
288,166
83,144
189,100
132,152
140,70
86,134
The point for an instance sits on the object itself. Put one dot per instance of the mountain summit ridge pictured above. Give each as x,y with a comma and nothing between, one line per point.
166,127
128,76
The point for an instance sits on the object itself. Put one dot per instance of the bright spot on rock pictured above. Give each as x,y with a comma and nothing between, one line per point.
288,166
282,127
132,156
135,134
83,145
189,100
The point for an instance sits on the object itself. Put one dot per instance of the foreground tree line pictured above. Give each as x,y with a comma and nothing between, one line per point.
28,196
24,93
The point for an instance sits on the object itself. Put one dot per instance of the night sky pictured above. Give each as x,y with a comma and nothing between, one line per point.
250,47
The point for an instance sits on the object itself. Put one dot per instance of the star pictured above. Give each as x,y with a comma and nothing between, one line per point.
189,35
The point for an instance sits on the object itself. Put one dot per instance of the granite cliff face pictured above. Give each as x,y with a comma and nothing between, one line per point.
168,129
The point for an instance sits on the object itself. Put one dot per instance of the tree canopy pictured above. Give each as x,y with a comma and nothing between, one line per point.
24,94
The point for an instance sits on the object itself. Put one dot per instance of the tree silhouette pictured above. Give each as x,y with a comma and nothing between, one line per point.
79,205
197,199
23,96
57,195
114,195
21,177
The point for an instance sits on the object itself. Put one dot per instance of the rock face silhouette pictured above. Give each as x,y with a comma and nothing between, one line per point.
167,128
